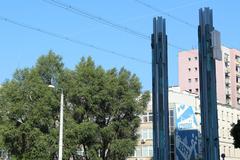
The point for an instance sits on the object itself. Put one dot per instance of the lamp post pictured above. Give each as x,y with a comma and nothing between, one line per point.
60,147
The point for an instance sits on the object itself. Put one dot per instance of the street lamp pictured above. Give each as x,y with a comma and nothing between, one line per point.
60,147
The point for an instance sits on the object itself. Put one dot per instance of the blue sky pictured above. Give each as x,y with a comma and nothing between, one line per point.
21,47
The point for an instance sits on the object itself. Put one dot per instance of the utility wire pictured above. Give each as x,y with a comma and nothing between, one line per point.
103,21
59,36
95,18
166,14
169,15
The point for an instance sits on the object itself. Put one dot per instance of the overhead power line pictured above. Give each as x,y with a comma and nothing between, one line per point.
103,21
166,14
98,19
63,37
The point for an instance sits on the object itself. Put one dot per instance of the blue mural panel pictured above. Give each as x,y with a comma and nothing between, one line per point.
187,145
185,117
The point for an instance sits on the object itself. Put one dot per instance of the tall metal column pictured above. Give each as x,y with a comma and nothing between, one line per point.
160,90
208,53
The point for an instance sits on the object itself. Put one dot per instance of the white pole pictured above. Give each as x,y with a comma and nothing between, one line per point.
60,152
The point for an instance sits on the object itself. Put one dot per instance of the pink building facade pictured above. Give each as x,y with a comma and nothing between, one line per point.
227,75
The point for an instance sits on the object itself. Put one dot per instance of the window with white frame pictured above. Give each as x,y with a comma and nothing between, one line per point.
150,133
227,117
222,116
146,133
143,151
147,117
144,118
138,152
150,117
150,151
223,132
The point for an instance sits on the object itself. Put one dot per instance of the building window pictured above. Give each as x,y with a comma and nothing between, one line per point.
238,89
190,90
144,118
229,136
144,151
196,79
189,69
228,98
195,58
223,132
238,100
227,117
227,85
150,133
150,151
195,68
237,68
150,117
226,56
189,80
171,122
227,75
222,116
196,89
144,134
138,152
189,59
237,58
226,64
238,79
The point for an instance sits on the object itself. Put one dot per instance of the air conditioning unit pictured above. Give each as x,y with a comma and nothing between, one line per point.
143,141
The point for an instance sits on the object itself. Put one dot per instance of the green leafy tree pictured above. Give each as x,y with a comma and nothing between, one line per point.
235,133
101,109
108,102
31,110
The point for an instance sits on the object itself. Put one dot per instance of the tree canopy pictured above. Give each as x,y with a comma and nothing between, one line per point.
101,109
235,133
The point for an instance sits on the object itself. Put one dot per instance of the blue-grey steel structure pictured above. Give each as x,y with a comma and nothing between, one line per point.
160,90
207,72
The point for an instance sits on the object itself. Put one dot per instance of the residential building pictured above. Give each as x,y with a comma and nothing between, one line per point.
227,75
185,128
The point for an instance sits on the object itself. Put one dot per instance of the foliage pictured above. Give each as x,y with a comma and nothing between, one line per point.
100,111
31,111
235,133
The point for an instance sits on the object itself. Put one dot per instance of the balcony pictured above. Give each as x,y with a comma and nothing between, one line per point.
228,93
238,62
228,101
226,58
227,70
238,84
237,58
227,80
238,73
238,94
